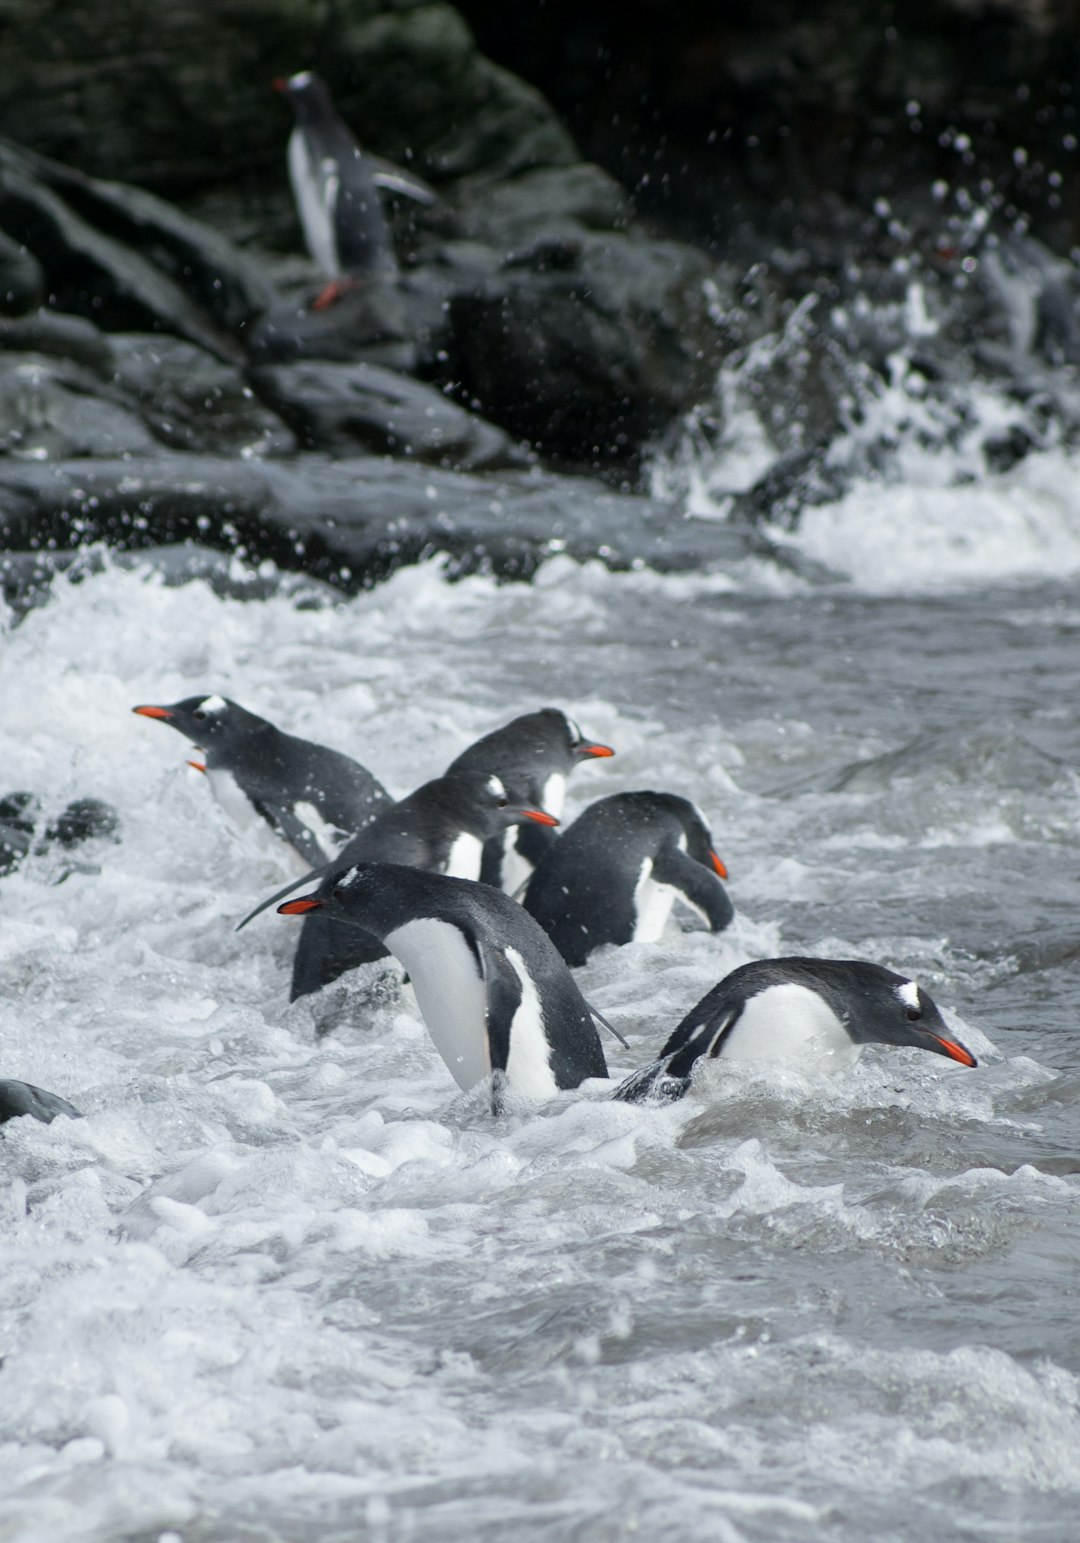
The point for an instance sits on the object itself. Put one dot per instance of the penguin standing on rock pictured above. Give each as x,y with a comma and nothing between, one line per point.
536,753
441,827
312,797
497,999
613,877
336,188
779,1008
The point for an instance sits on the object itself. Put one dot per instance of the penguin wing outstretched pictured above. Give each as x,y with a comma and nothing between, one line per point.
17,1098
392,179
666,1080
300,837
313,877
697,885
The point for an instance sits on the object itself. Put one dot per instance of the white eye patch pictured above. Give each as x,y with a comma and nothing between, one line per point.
909,994
213,704
495,788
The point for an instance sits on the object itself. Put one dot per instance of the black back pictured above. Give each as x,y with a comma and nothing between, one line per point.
278,771
526,753
418,832
361,233
875,1005
19,1098
583,891
380,897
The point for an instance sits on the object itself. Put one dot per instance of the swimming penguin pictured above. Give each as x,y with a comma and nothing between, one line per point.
441,828
796,1007
18,1098
535,753
496,997
336,188
614,875
311,796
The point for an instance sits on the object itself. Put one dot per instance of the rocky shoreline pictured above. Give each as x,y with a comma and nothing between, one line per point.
164,378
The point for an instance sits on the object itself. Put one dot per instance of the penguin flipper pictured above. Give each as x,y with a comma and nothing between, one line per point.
18,1098
668,1079
391,179
503,989
698,886
286,822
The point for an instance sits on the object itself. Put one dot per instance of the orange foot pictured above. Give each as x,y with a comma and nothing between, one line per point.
332,293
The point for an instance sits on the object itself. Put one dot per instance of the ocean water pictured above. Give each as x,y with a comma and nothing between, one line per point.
283,1287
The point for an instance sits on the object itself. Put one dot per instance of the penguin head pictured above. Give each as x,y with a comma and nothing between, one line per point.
877,1006
307,95
580,746
215,724
484,805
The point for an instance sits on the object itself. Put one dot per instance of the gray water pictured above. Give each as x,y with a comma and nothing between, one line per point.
276,1287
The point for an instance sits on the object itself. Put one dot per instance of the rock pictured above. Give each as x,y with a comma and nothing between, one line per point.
94,274
369,321
50,332
352,521
191,400
590,353
345,409
50,408
22,281
22,830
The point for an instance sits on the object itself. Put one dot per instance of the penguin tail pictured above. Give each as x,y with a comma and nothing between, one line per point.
652,1084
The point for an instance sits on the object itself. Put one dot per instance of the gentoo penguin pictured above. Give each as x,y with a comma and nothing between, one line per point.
311,796
441,828
796,1007
497,999
336,188
17,1098
614,875
535,753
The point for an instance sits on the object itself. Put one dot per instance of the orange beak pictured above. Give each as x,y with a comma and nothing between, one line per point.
718,865
540,817
956,1051
153,712
197,766
599,751
298,907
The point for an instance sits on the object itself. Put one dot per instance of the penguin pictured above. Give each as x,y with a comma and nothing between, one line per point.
18,1098
536,753
796,1007
336,188
441,828
496,997
614,875
312,797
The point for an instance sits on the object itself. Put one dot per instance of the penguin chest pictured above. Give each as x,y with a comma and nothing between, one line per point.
237,805
516,868
652,905
464,858
788,1021
315,185
450,993
528,1066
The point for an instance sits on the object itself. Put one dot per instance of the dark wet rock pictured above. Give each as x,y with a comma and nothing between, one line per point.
233,287
22,280
542,202
349,521
589,348
984,754
50,408
23,829
191,400
346,409
54,333
95,274
370,321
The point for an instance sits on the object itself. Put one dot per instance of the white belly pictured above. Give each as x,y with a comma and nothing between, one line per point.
450,993
554,795
528,1070
315,190
788,1021
465,856
652,906
516,870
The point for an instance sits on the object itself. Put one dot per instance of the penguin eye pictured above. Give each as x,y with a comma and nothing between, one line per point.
913,1014
503,803
198,713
